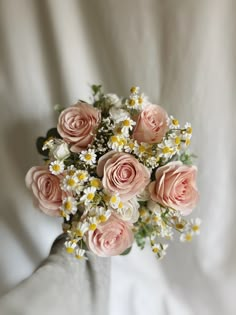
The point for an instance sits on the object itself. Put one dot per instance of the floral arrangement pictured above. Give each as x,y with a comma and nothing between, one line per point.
117,171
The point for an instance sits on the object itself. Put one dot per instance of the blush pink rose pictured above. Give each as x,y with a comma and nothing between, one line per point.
175,187
123,174
151,125
77,125
46,189
111,238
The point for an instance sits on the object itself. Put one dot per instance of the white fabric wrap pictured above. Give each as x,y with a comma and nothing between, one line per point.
62,285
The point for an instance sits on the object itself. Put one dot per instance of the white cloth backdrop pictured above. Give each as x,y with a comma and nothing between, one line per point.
182,54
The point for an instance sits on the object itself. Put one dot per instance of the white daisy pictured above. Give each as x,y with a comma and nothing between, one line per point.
132,102
70,170
102,214
195,225
166,149
173,122
134,90
186,236
89,194
127,125
188,128
81,228
95,182
129,146
69,183
79,253
159,249
142,101
88,156
70,246
142,148
69,205
82,175
56,167
92,221
117,142
114,201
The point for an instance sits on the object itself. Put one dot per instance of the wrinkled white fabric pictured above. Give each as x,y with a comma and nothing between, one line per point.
62,285
182,54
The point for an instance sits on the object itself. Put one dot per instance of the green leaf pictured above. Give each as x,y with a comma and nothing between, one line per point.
53,133
127,251
39,144
96,89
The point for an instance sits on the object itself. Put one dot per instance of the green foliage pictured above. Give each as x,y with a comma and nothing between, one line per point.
127,251
97,90
187,158
144,231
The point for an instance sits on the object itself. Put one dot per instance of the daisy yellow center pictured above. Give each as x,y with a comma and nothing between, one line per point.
166,150
142,149
79,233
92,227
155,250
114,139
142,212
81,176
102,218
78,256
126,123
120,205
71,182
156,219
179,226
175,122
131,145
189,130
62,214
113,199
95,183
131,102
133,89
90,196
122,141
177,140
140,100
188,237
195,228
70,250
71,172
187,141
56,167
88,157
68,205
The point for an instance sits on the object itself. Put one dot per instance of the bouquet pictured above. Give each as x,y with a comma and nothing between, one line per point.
117,171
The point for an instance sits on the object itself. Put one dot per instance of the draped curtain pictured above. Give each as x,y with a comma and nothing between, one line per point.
182,54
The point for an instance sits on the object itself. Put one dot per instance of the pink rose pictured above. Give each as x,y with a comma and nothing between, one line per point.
151,125
175,187
77,124
46,189
111,238
123,174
